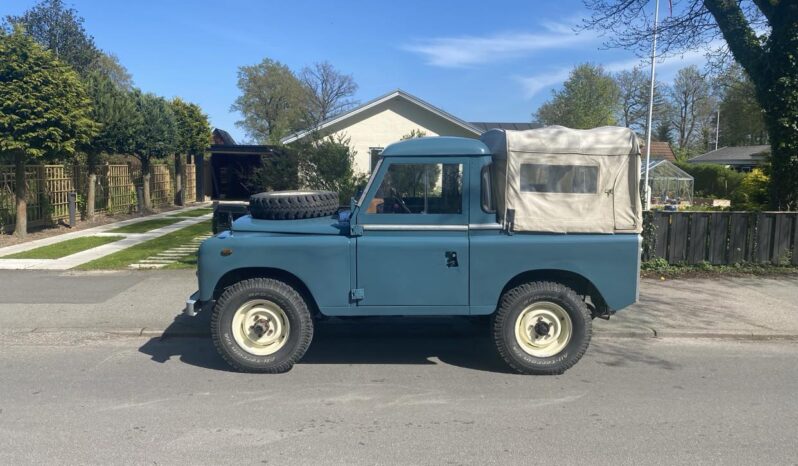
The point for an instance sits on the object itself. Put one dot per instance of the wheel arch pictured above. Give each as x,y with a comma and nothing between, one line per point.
245,273
579,283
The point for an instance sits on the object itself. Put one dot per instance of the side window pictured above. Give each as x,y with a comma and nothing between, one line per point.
486,192
573,179
428,188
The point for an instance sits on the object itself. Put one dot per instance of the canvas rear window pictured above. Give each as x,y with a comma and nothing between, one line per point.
566,179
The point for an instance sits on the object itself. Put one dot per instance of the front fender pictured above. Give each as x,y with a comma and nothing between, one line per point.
321,262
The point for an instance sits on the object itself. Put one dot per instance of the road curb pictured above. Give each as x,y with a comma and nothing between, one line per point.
189,332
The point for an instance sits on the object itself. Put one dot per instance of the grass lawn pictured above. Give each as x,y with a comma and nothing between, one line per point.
194,213
64,248
146,225
133,254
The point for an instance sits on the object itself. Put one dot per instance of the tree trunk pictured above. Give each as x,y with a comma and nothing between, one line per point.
179,180
21,192
90,195
145,181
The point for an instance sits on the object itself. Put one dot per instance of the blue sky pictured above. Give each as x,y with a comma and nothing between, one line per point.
481,61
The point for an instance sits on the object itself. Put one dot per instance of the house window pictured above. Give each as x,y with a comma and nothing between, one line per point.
374,154
575,179
429,188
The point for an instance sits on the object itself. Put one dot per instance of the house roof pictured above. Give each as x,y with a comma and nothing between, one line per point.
659,150
221,136
740,155
486,126
397,94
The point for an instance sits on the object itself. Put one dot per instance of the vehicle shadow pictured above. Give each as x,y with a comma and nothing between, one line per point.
461,342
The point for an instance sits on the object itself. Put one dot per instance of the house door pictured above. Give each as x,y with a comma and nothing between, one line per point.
414,247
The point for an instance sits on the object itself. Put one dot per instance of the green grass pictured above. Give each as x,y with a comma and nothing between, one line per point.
146,225
133,254
194,213
65,248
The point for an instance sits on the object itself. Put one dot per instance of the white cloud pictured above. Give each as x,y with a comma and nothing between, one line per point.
465,51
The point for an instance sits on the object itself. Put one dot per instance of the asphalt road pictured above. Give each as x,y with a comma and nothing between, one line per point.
397,397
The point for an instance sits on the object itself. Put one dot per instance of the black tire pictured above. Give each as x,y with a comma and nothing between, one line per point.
292,304
513,303
290,205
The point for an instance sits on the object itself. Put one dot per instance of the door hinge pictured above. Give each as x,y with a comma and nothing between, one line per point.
357,294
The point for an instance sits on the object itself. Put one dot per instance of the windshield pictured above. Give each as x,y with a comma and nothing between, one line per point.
371,181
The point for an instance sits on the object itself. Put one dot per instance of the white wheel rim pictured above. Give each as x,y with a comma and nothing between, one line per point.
260,327
543,329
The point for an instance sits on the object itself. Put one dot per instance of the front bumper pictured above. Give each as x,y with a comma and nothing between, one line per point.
194,305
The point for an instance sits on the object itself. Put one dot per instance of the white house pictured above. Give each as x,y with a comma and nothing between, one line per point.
379,122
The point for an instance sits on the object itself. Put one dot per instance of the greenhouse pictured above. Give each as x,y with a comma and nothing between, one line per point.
669,183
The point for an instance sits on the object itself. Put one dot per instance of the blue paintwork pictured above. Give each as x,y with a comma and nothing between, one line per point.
436,146
403,272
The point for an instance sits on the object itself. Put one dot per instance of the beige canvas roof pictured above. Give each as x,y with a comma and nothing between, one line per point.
562,180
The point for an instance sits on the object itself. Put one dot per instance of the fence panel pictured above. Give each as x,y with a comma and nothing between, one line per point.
719,231
677,247
190,183
121,193
781,238
724,237
697,246
160,186
764,235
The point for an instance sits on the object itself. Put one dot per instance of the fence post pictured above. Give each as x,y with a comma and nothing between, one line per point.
72,198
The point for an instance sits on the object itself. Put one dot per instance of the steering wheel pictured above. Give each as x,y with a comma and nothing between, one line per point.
402,204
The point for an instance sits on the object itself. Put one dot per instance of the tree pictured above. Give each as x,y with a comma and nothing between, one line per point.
328,163
108,65
44,110
60,30
154,137
329,91
693,106
634,92
762,35
741,116
193,135
588,99
272,101
115,111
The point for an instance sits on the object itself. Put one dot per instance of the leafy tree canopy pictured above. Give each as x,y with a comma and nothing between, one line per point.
588,99
193,130
115,110
156,134
44,109
272,101
60,30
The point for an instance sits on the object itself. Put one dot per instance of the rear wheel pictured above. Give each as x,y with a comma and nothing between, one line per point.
261,325
542,328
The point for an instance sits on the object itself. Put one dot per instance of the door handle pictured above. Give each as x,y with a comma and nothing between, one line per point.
451,259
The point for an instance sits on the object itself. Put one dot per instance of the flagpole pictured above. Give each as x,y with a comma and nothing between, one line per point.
647,188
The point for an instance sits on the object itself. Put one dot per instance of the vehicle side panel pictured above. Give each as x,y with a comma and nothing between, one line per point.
610,262
322,262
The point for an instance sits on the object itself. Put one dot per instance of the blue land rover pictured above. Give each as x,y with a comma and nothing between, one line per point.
540,230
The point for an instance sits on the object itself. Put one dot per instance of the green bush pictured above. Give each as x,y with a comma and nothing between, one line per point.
715,181
752,194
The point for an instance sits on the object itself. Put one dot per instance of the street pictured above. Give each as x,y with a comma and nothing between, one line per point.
700,371
407,398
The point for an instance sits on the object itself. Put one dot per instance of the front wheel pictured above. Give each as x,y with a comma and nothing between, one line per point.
541,328
261,325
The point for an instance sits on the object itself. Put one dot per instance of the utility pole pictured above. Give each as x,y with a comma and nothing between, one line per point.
647,189
717,129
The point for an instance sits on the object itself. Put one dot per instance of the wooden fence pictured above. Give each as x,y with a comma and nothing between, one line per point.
722,237
115,190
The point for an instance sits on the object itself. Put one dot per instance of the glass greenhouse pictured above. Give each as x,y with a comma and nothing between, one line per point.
669,183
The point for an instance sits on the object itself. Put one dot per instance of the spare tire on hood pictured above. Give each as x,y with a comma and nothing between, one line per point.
290,205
